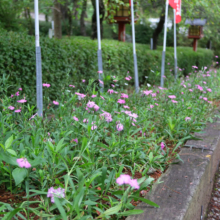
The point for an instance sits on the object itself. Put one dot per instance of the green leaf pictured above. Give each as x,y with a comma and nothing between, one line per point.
8,142
12,152
8,159
11,214
111,211
151,157
61,209
59,145
146,201
19,174
131,212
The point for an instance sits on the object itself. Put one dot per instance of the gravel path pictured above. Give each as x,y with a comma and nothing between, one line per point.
213,212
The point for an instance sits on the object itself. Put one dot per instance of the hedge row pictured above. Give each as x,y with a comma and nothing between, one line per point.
71,60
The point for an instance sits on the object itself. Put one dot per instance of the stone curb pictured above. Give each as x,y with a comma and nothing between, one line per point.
186,187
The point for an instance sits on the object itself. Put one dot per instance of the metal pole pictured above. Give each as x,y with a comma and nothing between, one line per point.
38,63
99,52
164,47
151,44
175,54
134,50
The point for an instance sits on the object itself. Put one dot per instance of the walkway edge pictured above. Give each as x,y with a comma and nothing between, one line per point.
187,186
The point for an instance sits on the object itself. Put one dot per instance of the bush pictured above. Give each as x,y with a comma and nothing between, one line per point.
75,59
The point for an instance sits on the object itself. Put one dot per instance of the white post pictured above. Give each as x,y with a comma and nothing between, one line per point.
38,63
175,53
134,49
99,52
164,46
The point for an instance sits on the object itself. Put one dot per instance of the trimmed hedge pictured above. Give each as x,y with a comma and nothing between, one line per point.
71,60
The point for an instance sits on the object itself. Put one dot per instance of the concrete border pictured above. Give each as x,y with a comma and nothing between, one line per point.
187,186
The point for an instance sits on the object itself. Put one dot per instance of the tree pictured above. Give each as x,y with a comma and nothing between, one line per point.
57,20
82,17
101,13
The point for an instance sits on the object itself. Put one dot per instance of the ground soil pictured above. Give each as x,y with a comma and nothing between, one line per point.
213,212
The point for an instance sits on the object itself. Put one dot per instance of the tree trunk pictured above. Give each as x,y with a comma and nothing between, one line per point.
82,16
158,29
70,18
57,20
102,13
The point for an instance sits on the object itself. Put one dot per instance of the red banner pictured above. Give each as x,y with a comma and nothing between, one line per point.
176,4
178,11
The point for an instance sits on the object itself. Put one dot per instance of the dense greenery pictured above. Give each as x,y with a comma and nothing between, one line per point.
86,141
72,60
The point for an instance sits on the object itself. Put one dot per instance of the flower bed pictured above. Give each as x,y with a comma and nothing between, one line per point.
94,155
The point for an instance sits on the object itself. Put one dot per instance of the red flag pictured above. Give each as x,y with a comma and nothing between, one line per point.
173,3
178,11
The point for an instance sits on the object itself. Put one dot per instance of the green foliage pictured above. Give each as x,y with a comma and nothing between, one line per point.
72,60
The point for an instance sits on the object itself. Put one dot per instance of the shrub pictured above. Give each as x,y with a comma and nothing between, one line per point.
75,59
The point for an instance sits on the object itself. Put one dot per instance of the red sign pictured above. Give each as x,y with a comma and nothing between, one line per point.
176,4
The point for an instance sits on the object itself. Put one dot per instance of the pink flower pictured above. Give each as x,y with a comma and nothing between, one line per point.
83,80
190,90
216,56
22,101
11,107
59,193
85,120
75,140
121,101
151,106
46,85
173,101
93,127
204,82
20,89
93,96
75,118
101,82
153,94
22,162
17,93
156,104
12,96
55,103
133,183
162,145
147,92
72,86
102,97
172,96
124,96
168,63
195,67
127,78
32,116
133,124
112,85
119,127
18,110
123,179
187,118
182,93
209,90
125,106
96,108
100,71
205,99
90,104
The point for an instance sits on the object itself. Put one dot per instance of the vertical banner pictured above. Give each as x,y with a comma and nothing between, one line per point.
176,4
164,47
38,63
99,52
134,49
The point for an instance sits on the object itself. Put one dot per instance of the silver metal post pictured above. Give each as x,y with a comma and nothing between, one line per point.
38,63
164,47
99,52
151,44
175,53
134,50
